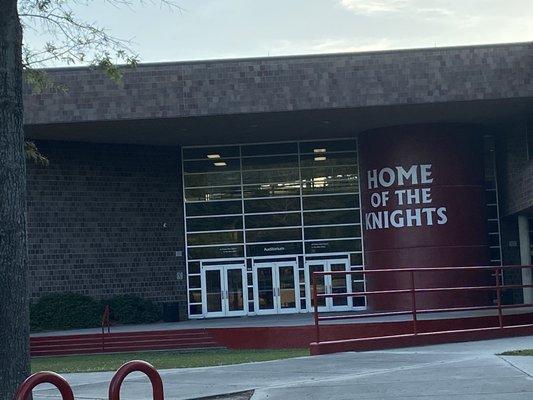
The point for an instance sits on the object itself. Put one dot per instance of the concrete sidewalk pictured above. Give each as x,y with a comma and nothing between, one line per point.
462,371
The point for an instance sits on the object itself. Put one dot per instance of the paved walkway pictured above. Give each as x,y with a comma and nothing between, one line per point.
462,371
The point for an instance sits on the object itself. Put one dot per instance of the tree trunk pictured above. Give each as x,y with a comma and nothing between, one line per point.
14,311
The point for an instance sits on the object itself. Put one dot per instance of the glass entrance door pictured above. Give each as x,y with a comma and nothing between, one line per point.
276,288
235,291
320,284
329,284
214,294
264,290
287,287
339,284
224,290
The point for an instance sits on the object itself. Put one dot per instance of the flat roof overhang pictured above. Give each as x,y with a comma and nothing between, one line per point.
284,98
282,126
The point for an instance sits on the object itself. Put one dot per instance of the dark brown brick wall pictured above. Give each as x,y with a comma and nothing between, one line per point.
96,220
510,243
516,171
220,87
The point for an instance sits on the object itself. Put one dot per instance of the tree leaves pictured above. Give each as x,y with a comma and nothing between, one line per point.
72,40
33,154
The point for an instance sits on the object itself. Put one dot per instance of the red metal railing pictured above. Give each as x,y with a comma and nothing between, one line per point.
498,287
105,324
26,388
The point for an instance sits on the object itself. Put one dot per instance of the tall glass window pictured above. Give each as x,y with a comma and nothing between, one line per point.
272,199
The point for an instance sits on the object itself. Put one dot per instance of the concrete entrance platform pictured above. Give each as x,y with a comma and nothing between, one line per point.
280,320
462,371
226,322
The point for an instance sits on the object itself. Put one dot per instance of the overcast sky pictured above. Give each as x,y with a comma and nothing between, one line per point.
210,29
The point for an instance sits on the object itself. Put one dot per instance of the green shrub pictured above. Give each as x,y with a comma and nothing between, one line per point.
65,311
74,311
129,309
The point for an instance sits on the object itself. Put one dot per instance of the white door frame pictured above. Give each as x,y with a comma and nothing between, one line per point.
349,300
326,263
220,270
244,281
274,266
309,284
223,273
296,279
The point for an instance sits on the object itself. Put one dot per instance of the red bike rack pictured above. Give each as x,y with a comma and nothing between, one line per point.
132,366
25,389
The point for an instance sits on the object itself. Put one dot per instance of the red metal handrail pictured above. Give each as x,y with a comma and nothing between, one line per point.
413,290
25,389
133,366
418,269
105,323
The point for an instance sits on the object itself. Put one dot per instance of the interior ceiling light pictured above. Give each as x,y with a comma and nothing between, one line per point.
320,158
213,156
319,150
220,164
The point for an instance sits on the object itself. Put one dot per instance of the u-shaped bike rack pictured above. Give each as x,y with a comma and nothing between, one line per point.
139,366
25,389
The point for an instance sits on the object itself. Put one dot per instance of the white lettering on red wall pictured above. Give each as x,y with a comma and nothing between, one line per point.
400,207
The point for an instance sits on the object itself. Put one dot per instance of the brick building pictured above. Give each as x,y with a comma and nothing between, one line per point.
218,187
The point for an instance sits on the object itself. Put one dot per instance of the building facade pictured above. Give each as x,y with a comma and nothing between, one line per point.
216,188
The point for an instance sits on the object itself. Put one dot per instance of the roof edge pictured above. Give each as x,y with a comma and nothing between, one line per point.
302,56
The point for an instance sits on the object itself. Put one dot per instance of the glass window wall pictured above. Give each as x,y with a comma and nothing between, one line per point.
272,199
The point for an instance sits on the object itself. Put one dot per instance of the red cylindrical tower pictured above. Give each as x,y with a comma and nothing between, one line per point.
423,203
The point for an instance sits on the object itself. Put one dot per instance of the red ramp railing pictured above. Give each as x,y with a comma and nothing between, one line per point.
498,287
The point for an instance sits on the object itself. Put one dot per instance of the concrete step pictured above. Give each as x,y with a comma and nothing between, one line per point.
121,342
98,350
184,332
124,342
114,337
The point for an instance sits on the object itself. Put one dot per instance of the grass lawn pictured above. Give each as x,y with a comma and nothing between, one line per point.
160,359
528,352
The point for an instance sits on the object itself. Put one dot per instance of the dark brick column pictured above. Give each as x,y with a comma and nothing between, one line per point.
515,184
516,171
